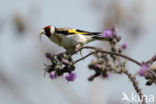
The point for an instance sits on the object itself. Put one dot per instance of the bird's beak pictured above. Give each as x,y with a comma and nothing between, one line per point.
41,33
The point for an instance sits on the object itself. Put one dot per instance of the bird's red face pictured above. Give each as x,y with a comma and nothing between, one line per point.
48,30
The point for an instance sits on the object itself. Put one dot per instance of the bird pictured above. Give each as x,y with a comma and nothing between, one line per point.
69,38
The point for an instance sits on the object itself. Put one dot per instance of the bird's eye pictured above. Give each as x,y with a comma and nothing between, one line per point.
47,30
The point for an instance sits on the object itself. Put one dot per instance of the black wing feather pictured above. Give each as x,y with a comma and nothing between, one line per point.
89,33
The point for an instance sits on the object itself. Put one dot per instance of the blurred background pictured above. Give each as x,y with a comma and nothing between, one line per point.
22,55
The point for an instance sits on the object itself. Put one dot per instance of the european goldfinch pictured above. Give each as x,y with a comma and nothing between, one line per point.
70,39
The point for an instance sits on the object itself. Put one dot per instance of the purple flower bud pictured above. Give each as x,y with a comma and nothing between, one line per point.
107,34
53,75
154,58
124,45
48,55
97,66
144,70
114,28
119,38
66,62
71,77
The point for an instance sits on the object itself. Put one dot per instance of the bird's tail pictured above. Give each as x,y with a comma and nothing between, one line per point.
100,38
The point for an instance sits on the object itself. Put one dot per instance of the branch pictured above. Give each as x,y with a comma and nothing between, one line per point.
111,53
84,57
136,86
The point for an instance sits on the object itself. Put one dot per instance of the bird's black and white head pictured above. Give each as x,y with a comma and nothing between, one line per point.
48,31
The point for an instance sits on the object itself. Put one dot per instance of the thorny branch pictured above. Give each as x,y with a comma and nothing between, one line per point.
111,53
136,86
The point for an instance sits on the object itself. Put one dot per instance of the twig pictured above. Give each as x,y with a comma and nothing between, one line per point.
111,53
136,86
84,57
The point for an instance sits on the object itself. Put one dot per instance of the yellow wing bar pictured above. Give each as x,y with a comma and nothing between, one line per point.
74,31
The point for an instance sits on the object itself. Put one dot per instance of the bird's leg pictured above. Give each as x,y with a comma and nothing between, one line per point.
77,47
81,53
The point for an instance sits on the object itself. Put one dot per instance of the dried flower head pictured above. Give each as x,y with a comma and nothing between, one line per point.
71,77
124,45
144,70
53,75
48,55
107,34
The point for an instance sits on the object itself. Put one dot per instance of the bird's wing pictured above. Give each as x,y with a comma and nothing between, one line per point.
68,31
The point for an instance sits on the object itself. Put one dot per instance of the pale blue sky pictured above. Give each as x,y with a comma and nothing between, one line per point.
19,57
